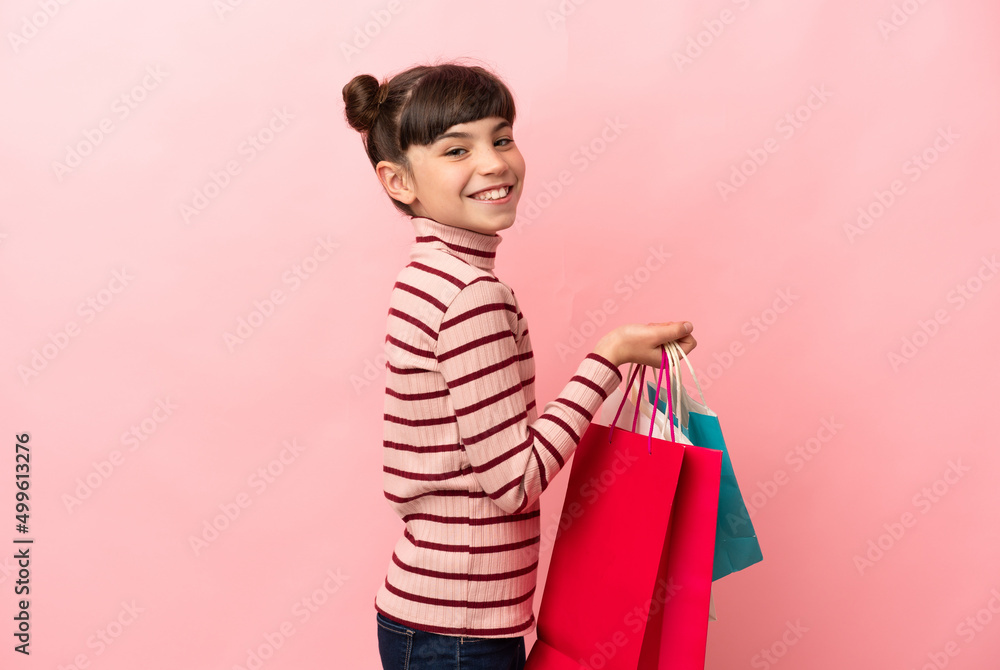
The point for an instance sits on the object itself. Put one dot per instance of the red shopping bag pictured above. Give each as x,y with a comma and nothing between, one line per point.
630,577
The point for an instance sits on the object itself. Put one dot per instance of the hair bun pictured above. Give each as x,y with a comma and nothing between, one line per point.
362,97
383,93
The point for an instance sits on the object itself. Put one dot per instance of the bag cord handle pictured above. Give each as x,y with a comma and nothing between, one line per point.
664,364
679,352
676,354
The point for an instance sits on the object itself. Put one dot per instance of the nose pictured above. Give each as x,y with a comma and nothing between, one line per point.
492,162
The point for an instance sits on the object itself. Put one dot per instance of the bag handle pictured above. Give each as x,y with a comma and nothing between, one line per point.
664,365
676,353
679,351
680,410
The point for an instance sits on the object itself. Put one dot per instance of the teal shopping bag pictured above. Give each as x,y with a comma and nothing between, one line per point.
736,545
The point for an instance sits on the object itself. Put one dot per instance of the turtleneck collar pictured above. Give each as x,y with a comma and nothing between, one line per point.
478,249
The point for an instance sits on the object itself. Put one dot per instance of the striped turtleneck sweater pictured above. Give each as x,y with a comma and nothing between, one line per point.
466,454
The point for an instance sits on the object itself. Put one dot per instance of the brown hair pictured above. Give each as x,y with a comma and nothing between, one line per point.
417,105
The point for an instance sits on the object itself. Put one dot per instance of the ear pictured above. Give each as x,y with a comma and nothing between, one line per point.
394,182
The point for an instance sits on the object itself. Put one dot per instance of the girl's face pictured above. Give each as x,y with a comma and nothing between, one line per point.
468,159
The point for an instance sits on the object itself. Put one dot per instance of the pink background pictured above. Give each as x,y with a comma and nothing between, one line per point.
914,440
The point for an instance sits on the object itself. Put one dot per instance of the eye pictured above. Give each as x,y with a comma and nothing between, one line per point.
504,140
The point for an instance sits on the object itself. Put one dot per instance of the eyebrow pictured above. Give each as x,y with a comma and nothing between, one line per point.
467,136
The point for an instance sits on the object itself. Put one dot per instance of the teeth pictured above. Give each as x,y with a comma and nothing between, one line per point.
494,195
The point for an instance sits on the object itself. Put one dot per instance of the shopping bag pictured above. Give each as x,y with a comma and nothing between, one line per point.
736,543
608,414
629,581
682,641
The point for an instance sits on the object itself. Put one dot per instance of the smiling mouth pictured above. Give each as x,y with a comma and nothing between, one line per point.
493,194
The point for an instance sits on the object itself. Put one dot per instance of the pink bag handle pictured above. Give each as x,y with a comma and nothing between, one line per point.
664,364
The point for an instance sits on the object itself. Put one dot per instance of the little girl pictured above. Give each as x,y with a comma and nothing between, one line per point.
466,454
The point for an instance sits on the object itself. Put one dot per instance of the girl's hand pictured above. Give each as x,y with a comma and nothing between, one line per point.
640,344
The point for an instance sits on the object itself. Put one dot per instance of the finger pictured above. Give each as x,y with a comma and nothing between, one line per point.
686,341
674,330
687,344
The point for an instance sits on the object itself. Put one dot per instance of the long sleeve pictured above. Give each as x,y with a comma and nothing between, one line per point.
478,356
466,454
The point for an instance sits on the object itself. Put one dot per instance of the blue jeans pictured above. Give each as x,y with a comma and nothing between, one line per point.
405,648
